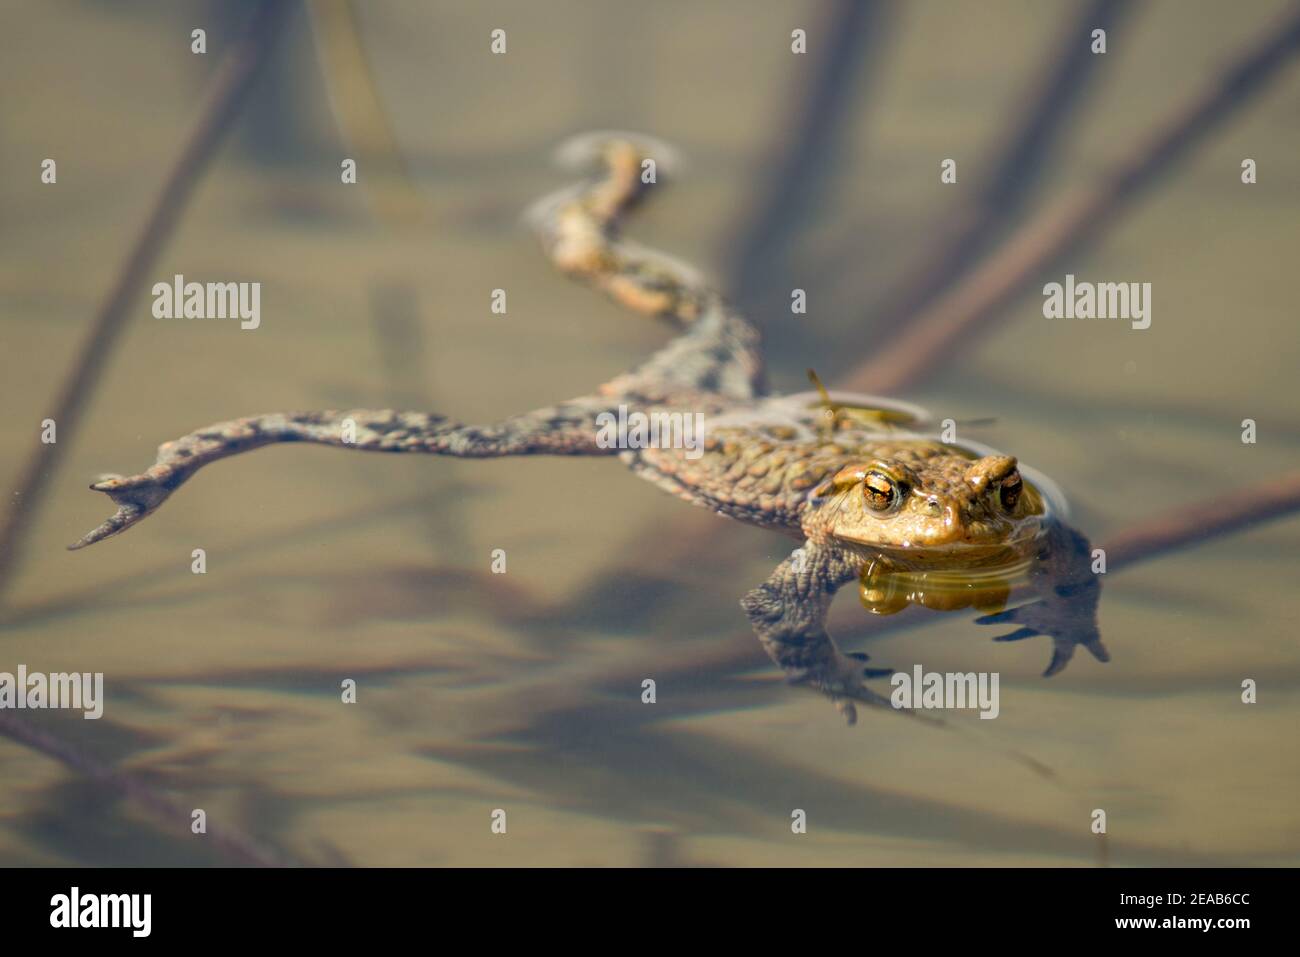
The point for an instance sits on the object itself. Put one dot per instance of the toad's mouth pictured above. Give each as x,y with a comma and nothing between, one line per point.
971,539
955,557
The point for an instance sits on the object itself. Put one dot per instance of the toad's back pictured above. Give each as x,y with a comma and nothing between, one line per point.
759,463
866,473
764,475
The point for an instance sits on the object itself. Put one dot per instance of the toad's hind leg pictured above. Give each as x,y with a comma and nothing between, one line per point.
570,428
718,349
714,359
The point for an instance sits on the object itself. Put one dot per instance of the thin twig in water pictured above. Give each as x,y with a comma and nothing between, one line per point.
1192,525
811,133
361,116
1066,227
961,241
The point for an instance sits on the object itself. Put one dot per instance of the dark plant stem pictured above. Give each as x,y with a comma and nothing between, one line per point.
809,133
229,843
1064,82
1064,229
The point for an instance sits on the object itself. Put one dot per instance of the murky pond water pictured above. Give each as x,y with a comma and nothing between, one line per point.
478,691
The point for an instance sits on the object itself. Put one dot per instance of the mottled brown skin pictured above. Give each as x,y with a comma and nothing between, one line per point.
818,489
862,485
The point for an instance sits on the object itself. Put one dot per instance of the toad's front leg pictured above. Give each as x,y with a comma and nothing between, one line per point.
1067,608
788,612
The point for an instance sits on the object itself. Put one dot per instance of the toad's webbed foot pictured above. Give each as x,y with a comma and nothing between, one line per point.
1045,617
1067,610
788,612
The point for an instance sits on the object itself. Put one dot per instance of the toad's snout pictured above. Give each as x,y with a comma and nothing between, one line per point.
947,525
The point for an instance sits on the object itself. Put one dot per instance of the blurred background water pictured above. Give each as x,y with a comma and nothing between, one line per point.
522,691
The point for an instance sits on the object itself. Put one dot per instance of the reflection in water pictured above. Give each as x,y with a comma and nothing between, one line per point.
886,590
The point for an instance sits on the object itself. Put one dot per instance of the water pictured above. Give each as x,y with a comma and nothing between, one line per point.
523,691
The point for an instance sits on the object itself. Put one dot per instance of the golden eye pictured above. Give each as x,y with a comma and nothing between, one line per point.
880,491
1009,491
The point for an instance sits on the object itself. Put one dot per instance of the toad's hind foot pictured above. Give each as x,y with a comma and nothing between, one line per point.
135,497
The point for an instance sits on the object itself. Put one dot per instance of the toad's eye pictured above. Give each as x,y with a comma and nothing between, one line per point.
880,491
1009,491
